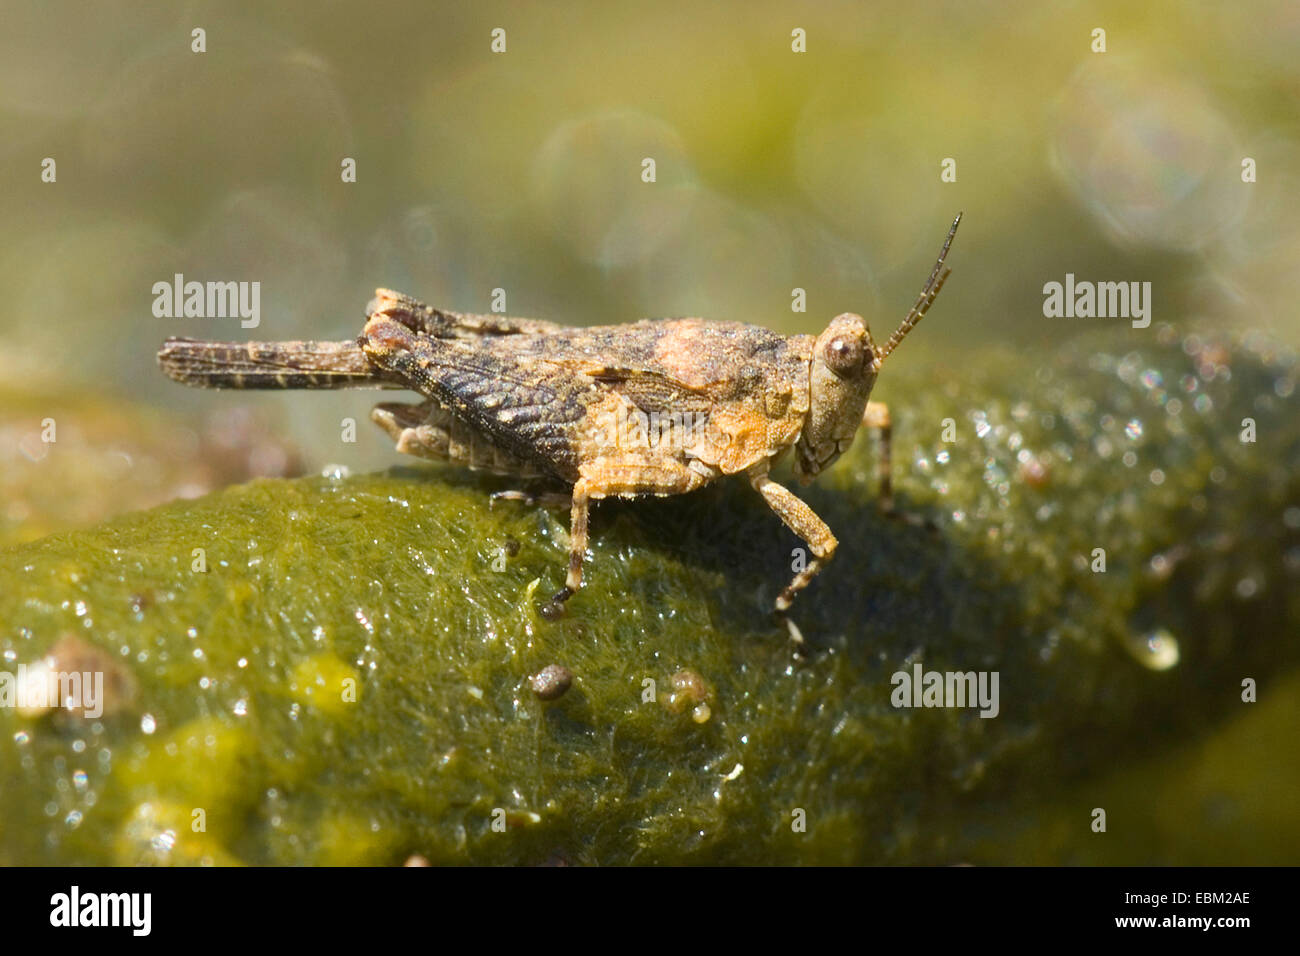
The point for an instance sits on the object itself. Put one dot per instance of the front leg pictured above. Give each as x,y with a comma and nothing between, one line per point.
877,417
803,521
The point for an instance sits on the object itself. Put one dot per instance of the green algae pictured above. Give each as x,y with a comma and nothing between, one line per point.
1230,795
347,681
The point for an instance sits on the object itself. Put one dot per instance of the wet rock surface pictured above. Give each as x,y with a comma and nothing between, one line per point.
334,670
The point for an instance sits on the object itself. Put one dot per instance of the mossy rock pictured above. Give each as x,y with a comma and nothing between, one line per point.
348,680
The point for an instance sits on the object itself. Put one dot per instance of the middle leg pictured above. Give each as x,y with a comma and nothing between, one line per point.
803,521
603,479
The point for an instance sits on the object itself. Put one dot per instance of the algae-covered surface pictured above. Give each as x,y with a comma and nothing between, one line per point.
337,669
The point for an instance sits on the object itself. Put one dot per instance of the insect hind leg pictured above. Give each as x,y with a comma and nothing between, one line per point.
445,324
415,429
430,431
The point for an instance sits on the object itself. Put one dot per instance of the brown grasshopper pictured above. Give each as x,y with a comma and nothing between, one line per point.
660,406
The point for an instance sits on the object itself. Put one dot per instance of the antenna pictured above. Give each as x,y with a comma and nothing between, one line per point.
927,296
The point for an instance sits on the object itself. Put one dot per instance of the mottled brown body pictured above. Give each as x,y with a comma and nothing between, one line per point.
656,407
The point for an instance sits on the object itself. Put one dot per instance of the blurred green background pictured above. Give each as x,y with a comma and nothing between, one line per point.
521,170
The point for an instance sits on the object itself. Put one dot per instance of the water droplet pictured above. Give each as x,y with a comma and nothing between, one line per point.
147,724
1155,650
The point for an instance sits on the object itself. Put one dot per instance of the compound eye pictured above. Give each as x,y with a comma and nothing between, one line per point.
844,356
